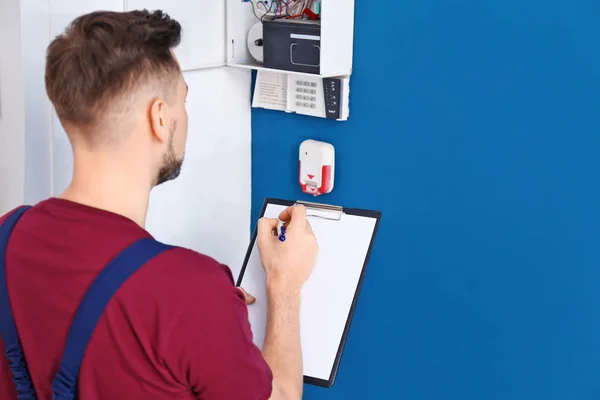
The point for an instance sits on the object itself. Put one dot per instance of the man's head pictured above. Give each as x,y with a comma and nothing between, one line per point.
117,87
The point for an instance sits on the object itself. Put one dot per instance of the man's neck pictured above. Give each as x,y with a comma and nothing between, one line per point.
109,186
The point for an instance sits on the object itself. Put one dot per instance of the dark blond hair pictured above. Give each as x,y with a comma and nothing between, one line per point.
102,56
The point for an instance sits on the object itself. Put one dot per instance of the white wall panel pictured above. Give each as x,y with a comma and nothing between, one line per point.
25,113
12,107
208,207
203,22
35,25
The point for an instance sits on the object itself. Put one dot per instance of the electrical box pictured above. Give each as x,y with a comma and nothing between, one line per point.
310,46
215,33
331,36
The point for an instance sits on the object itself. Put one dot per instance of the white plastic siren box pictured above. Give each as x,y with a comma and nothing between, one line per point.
317,167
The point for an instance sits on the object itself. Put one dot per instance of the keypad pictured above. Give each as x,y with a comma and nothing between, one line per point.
306,94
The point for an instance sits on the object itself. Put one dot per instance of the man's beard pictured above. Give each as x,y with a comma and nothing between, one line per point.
171,166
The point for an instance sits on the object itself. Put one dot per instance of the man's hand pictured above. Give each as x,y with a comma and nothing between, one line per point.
287,264
247,296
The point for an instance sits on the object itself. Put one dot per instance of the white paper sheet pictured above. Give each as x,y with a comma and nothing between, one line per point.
327,296
271,91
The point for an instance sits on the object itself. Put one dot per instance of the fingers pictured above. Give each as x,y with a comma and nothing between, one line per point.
295,215
309,228
265,228
248,297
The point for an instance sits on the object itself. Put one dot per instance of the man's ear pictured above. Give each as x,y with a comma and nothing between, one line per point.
159,123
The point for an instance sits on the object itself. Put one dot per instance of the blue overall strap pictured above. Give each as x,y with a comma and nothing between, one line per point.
91,308
8,329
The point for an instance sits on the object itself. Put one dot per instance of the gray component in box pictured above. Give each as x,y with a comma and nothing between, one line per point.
292,45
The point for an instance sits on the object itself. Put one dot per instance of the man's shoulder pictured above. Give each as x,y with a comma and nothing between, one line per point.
179,281
186,267
5,216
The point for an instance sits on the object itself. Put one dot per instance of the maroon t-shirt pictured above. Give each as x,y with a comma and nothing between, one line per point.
177,329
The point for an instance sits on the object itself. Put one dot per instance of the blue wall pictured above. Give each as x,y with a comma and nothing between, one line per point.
475,129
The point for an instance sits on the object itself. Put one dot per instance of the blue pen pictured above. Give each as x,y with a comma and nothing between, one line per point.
281,231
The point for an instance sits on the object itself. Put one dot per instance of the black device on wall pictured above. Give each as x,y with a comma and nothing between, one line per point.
332,91
292,45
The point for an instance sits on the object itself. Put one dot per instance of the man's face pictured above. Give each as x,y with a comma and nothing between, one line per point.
173,157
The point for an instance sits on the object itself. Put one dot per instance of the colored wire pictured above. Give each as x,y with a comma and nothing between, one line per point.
262,3
290,9
268,11
297,10
254,9
283,7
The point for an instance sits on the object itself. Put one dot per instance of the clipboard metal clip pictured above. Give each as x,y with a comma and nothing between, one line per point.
324,211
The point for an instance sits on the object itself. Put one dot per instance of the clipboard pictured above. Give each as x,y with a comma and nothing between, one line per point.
329,297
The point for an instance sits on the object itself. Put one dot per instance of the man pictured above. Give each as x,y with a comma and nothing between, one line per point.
177,328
